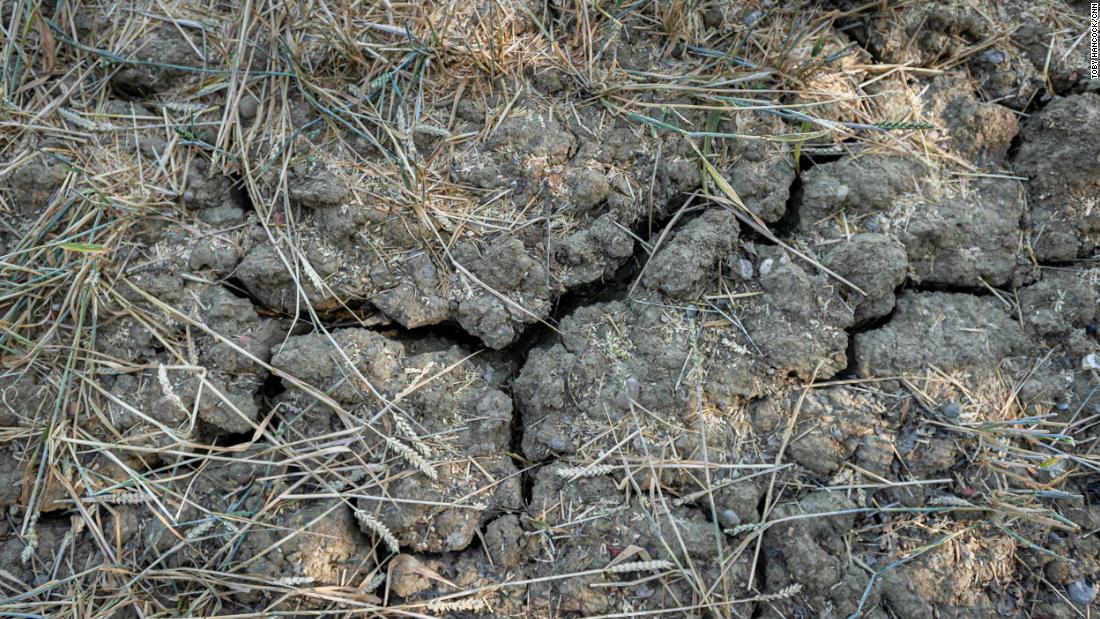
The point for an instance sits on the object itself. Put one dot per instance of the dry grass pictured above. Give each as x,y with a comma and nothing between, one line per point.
369,91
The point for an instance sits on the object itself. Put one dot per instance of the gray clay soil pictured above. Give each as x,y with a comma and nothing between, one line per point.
542,309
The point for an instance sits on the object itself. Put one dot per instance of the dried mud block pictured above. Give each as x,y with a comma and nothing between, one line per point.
970,238
877,264
592,187
53,546
279,279
932,33
593,252
1078,563
153,53
800,325
681,267
948,330
664,357
975,131
860,189
322,545
896,35
840,425
444,394
442,436
352,252
216,197
590,521
759,170
323,362
312,184
314,542
811,552
246,336
227,403
1061,301
1059,152
228,387
412,301
1068,70
958,579
504,269
444,514
32,186
411,578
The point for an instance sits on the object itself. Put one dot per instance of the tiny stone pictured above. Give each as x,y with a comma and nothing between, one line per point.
633,388
247,107
994,56
1091,362
729,518
952,410
1082,591
744,268
622,401
558,444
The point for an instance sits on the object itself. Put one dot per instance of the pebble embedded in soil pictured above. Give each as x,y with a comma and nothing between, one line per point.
1082,592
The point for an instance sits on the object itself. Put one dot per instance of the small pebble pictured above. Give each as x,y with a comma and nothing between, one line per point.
1082,591
633,388
1091,362
744,269
622,401
248,107
558,444
953,410
729,518
994,56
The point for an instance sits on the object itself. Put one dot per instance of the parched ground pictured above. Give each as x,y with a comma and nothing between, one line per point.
512,308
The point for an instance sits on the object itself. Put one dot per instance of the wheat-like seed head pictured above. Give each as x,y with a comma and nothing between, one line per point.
368,521
641,566
585,471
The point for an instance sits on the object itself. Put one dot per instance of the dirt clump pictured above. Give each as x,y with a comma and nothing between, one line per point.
162,58
877,264
443,405
969,237
680,268
613,523
856,194
1062,187
665,358
948,330
976,131
808,550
